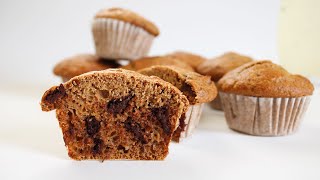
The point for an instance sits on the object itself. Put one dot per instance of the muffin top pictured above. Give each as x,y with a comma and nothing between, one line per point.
129,17
156,60
265,79
82,63
197,88
219,66
192,59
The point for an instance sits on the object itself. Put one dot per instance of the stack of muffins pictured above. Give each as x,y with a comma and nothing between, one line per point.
107,110
258,97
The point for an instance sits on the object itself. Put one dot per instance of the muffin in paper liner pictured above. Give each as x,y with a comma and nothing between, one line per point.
115,39
191,121
264,116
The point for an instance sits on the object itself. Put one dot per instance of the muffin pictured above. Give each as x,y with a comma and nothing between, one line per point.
82,63
197,88
156,60
218,67
122,34
261,98
116,114
192,59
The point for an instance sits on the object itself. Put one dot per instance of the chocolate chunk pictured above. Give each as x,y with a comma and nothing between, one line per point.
135,129
97,145
71,129
181,128
187,91
92,125
162,115
182,122
117,106
122,148
56,94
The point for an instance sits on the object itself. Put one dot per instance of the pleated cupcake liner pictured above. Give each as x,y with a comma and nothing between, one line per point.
115,39
264,116
193,116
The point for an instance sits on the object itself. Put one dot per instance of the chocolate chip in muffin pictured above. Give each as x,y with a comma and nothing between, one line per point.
56,94
162,115
117,106
92,125
135,129
97,145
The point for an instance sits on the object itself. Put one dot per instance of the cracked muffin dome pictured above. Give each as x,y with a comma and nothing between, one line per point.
156,60
265,79
81,63
263,99
116,114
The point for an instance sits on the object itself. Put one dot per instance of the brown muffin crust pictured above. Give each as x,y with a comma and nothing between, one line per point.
156,60
219,66
82,63
197,88
116,114
192,59
129,17
265,79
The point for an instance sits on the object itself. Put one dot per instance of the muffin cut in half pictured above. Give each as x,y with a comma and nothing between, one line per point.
261,98
116,114
198,89
81,63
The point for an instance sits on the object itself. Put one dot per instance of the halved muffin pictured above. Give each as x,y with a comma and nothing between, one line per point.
197,88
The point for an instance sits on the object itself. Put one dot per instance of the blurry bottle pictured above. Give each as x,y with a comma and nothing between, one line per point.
299,37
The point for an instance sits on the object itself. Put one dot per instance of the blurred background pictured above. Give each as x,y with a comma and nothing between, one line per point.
36,34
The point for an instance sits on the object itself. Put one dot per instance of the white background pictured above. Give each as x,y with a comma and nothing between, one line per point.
36,34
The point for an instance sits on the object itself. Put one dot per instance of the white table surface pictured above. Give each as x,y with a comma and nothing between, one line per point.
31,147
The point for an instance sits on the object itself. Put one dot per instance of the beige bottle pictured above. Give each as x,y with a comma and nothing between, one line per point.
299,37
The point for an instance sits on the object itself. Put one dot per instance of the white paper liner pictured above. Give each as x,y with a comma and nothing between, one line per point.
264,116
115,39
192,119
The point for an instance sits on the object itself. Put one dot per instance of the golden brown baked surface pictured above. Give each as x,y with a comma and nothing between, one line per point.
129,17
192,59
116,114
82,63
219,66
197,88
264,79
156,60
